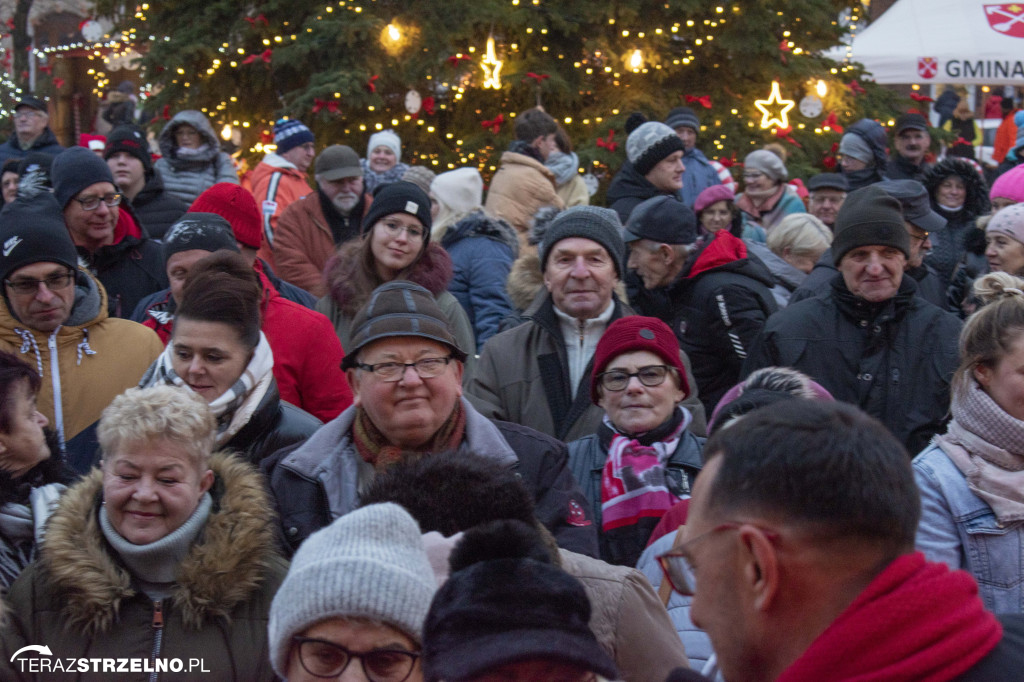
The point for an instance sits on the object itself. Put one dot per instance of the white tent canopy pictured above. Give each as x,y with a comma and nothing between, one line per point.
945,41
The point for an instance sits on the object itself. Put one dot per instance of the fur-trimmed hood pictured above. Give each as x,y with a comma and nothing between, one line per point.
236,552
525,280
433,271
976,202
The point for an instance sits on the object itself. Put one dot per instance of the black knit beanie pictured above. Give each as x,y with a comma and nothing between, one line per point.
399,197
601,225
869,217
199,231
131,139
73,170
32,230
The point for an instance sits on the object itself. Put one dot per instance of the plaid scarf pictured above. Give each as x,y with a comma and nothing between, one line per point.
253,383
374,447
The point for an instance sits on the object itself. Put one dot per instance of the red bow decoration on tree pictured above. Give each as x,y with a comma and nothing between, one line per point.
46,69
428,106
371,85
856,88
320,104
959,141
784,134
608,143
166,113
920,98
265,56
831,122
829,161
728,162
259,17
494,124
58,83
456,58
703,100
539,77
266,137
915,111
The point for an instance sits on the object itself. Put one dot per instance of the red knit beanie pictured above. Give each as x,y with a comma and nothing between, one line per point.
633,333
235,205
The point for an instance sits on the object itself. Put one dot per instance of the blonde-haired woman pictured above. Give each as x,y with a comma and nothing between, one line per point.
972,477
165,552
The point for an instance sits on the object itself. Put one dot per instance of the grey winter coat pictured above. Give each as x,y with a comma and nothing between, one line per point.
188,177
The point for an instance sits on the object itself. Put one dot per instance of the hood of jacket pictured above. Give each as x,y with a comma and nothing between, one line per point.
525,280
89,308
976,201
479,224
628,183
198,120
728,253
782,272
223,569
433,271
564,166
153,188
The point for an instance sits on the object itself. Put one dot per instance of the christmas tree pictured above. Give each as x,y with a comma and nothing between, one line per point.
449,76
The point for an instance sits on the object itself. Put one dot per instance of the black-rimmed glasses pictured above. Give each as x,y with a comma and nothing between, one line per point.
91,203
325,659
427,368
617,379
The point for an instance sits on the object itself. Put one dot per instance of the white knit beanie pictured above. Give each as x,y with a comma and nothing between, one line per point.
385,138
461,190
369,563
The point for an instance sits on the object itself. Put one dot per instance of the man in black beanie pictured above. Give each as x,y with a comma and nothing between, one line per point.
868,338
127,155
54,316
109,239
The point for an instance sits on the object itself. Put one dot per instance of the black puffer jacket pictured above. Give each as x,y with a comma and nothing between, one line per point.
156,209
628,189
893,359
949,243
719,304
274,425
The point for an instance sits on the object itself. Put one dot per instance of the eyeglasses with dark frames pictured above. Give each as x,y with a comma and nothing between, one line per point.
327,660
676,565
92,202
427,368
28,286
618,380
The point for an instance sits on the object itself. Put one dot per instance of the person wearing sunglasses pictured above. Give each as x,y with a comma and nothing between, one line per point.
54,317
353,603
108,237
643,459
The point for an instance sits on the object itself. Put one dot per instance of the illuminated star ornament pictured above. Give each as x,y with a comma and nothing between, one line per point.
774,101
491,66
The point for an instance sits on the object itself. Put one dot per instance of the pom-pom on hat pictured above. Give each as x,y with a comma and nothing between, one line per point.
633,333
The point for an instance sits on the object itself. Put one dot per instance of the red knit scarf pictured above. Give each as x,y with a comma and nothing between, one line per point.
917,621
374,447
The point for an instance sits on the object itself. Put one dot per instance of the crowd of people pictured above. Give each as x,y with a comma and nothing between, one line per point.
346,418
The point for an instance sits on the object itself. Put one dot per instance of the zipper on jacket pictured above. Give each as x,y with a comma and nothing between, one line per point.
158,636
58,407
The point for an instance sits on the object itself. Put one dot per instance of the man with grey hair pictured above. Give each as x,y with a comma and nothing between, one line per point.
538,373
31,131
310,228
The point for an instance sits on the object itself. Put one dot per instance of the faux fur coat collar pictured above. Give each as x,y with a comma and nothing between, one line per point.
225,567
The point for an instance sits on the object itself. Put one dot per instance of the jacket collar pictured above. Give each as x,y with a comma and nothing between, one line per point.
221,571
865,312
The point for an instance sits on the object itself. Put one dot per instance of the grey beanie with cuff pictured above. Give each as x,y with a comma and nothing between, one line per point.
650,144
601,225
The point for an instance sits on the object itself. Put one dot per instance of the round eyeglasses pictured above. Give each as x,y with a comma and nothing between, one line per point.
328,660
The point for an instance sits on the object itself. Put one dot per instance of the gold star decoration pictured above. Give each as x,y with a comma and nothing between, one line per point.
491,66
767,107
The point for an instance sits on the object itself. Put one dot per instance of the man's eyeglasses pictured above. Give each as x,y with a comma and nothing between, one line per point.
618,380
25,115
91,203
31,286
427,368
677,567
329,660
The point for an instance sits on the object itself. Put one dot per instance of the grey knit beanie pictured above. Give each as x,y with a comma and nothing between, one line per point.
683,117
601,225
765,162
854,146
649,144
870,216
370,563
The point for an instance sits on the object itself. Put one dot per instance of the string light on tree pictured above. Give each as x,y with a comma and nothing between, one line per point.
636,60
775,109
